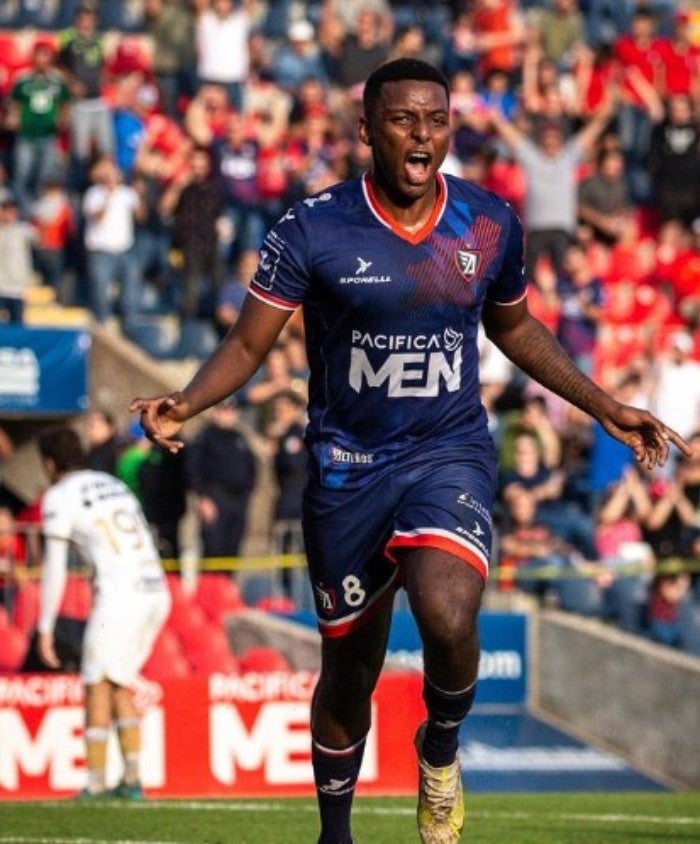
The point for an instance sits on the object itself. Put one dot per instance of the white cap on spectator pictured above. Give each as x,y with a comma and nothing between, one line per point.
301,30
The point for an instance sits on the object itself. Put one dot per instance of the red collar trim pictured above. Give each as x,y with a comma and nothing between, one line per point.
397,228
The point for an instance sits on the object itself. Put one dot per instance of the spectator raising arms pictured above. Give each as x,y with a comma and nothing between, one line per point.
551,199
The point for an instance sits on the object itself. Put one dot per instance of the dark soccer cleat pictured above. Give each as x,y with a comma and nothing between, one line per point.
128,791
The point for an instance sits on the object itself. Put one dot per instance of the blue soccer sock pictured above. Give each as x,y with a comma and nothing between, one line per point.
446,711
335,775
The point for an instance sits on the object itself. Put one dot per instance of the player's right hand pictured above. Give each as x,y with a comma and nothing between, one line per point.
47,651
162,418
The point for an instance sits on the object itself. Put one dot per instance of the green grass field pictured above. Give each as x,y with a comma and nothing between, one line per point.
492,819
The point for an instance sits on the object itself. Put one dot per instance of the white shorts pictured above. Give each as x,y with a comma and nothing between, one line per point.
120,634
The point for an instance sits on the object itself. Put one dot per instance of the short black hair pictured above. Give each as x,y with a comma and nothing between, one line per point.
62,445
397,71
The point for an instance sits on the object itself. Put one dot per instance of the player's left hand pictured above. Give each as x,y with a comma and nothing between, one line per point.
47,650
646,435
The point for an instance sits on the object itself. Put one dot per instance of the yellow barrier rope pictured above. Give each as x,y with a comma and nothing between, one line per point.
272,562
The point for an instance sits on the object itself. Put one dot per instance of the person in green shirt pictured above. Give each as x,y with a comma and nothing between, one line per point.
38,111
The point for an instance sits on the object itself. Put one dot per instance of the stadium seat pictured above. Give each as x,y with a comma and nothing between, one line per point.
12,53
160,666
150,336
178,593
209,637
77,598
277,604
14,644
690,628
197,339
258,587
218,595
206,662
167,643
262,659
25,612
186,617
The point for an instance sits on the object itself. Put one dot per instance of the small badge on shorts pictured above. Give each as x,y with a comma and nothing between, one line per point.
325,598
467,262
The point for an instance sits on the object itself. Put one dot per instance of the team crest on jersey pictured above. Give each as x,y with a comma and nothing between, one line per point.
467,262
325,599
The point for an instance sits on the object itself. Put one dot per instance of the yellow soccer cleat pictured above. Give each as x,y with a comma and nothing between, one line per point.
440,799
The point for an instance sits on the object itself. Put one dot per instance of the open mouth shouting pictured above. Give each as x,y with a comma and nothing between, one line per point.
418,167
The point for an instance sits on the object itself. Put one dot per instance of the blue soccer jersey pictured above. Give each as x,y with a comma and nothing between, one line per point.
391,318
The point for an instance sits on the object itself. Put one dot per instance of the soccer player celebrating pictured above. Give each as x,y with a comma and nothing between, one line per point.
394,270
100,515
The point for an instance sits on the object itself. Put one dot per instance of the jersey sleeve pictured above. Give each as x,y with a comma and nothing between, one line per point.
53,583
282,276
510,285
56,515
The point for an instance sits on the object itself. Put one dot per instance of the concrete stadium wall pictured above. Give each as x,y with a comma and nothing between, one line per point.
615,689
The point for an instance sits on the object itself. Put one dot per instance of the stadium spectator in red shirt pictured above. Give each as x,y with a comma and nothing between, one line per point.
53,220
499,35
683,275
680,59
593,71
638,54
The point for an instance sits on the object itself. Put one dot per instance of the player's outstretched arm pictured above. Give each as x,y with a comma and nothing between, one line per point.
227,369
536,351
53,584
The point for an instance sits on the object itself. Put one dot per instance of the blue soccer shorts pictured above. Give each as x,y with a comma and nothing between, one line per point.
354,537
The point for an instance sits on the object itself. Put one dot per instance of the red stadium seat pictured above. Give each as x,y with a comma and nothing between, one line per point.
186,617
218,595
25,612
177,589
206,662
77,598
167,644
13,59
14,644
262,659
210,638
161,666
278,604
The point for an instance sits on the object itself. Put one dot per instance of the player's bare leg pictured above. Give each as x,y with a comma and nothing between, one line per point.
340,719
128,726
98,717
445,594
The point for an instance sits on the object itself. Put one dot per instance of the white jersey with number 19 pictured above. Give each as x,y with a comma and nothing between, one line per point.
103,519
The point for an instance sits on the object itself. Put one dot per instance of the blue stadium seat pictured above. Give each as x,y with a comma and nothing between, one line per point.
690,627
197,339
123,15
49,14
150,336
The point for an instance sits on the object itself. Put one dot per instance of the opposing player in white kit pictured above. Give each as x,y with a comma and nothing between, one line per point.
100,516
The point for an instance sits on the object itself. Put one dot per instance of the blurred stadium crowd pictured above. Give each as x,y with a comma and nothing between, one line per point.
146,147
